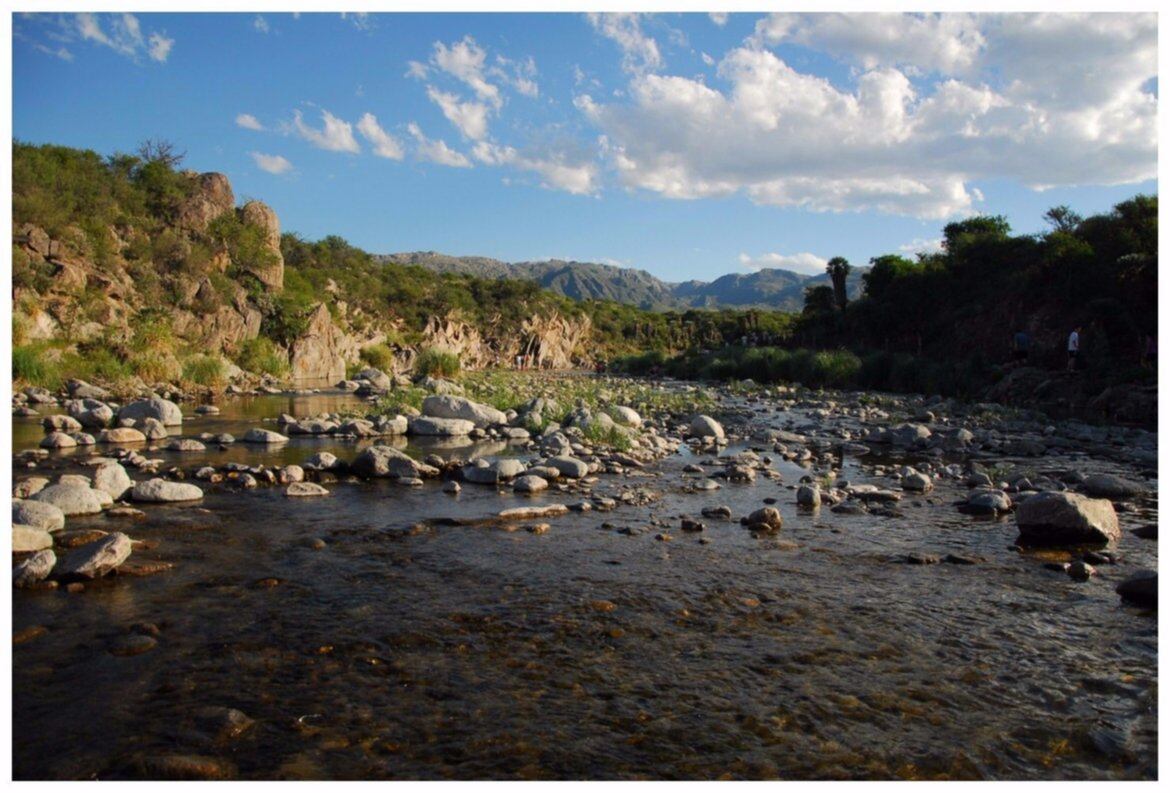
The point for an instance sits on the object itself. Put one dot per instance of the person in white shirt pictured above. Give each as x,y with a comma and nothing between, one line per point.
1074,347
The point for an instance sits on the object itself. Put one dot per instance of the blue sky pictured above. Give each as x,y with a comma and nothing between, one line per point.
684,144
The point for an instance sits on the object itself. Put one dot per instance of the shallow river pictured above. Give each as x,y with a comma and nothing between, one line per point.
473,652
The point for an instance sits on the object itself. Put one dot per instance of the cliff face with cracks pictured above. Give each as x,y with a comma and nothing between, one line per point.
94,288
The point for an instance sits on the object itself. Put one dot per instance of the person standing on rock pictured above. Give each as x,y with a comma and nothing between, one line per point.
1074,348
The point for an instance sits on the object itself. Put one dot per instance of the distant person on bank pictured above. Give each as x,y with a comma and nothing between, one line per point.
1074,348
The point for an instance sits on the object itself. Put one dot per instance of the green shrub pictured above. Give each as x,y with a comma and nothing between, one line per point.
436,363
378,356
205,370
31,365
260,356
609,436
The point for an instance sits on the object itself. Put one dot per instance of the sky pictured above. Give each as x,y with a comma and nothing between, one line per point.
687,145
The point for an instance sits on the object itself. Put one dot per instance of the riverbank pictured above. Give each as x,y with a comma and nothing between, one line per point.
648,617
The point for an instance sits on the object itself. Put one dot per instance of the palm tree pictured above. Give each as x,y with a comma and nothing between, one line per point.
838,269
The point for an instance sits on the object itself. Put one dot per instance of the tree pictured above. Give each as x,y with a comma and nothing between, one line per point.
838,269
884,270
162,151
818,300
1063,219
961,232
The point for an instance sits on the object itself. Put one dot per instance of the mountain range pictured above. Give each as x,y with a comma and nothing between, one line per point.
780,290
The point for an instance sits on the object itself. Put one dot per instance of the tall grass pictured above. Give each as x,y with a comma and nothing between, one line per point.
378,356
436,363
205,370
260,356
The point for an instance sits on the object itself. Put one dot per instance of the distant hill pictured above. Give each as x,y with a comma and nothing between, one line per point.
781,290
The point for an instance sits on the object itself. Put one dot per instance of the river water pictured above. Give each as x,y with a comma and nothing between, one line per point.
465,652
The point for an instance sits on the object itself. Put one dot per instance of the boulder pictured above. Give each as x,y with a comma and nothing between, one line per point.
26,488
375,377
29,538
71,499
61,423
396,425
1141,589
185,445
305,489
153,429
38,514
766,519
907,436
530,484
626,416
987,502
96,559
58,440
386,461
256,435
569,467
457,407
429,425
1110,486
34,569
164,410
917,482
706,427
808,496
1062,518
121,435
111,478
160,490
209,197
79,389
491,473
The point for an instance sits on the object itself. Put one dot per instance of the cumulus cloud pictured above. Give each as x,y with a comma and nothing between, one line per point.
436,151
639,52
272,163
1018,107
336,135
521,74
120,32
470,118
718,17
557,170
803,263
248,121
920,245
464,60
385,144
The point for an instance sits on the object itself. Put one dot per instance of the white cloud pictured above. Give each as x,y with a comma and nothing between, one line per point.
385,144
272,163
470,118
639,51
1022,109
260,23
464,60
436,151
359,19
160,47
947,43
416,70
920,245
248,121
803,263
120,32
336,135
718,17
522,77
707,59
557,170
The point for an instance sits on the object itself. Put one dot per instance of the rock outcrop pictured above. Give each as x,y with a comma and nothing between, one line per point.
211,196
318,353
271,271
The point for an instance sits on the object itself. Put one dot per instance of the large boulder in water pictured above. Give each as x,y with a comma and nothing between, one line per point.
40,515
1141,589
112,478
95,559
35,568
386,461
1110,486
1062,518
706,427
164,410
318,353
457,407
430,425
71,499
160,490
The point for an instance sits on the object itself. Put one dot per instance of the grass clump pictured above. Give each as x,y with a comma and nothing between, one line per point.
433,362
31,365
205,370
378,356
610,436
260,356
